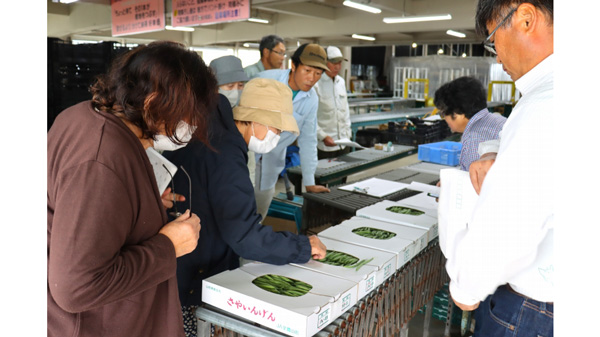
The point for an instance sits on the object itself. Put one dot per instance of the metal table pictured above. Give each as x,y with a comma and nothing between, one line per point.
320,209
394,103
376,118
385,311
350,163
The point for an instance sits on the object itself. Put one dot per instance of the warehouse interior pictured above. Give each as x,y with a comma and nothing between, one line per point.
79,45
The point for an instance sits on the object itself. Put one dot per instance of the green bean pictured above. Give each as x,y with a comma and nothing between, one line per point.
373,233
282,285
404,210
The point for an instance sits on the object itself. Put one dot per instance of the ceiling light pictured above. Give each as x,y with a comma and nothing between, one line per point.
181,29
362,7
403,19
363,37
257,20
251,45
67,1
464,54
455,33
440,51
414,45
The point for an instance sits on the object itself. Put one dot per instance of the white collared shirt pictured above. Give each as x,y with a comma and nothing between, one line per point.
333,115
511,233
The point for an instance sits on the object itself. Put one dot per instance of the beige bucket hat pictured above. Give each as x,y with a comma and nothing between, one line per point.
268,102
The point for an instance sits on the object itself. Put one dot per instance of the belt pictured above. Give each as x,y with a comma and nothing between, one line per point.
527,297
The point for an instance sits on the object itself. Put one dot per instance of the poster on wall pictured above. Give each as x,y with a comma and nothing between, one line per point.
206,12
137,16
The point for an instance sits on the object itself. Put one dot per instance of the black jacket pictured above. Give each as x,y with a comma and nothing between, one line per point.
223,198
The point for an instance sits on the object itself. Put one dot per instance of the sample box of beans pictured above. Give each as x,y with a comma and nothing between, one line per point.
373,234
366,266
399,212
288,299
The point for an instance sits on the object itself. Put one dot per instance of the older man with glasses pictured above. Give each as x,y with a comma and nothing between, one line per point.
272,54
503,261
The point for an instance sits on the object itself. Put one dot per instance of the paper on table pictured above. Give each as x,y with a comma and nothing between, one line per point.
430,189
348,142
375,187
162,176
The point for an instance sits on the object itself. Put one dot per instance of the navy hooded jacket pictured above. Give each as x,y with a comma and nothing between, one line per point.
223,198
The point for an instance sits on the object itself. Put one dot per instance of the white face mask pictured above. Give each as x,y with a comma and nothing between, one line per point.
232,95
183,132
263,146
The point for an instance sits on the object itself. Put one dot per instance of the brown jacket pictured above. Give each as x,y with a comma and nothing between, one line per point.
109,271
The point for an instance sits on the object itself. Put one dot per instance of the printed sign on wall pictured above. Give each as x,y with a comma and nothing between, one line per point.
205,12
137,16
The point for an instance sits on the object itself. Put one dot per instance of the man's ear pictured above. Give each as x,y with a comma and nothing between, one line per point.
527,16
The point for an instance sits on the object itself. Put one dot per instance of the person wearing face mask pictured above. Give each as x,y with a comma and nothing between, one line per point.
231,79
111,247
224,197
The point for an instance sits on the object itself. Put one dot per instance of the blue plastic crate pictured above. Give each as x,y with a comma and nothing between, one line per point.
445,153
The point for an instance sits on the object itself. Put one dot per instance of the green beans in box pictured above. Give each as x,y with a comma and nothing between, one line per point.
282,285
373,233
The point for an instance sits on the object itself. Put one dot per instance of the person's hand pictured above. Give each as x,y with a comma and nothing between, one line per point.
317,189
329,141
479,169
167,198
317,248
466,307
183,233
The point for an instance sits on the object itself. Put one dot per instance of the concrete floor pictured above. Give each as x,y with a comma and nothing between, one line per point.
416,325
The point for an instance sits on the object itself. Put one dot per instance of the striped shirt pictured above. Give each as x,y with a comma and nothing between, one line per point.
481,127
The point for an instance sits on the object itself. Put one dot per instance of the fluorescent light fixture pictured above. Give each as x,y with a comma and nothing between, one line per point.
181,29
404,19
362,7
257,20
455,33
363,37
67,1
251,45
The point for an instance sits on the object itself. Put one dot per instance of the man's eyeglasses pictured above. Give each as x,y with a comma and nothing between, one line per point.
176,213
280,53
490,46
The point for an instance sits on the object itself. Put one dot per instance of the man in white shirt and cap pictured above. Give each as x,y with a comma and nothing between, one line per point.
333,114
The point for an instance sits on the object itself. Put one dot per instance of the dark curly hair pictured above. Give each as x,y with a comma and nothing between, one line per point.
162,82
462,96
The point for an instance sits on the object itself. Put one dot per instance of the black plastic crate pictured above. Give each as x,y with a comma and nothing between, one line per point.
369,137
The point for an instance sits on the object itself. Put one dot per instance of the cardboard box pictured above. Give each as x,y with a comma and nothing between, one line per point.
404,249
379,211
368,277
234,292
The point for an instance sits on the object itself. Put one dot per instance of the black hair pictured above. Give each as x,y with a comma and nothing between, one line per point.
463,96
296,57
269,42
490,10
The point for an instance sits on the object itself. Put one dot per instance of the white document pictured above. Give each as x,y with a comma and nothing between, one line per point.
375,187
348,142
430,189
163,178
456,204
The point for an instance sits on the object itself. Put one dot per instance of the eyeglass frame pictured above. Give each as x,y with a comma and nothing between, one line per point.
176,213
278,52
490,46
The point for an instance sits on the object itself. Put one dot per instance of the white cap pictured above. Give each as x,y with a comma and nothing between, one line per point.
334,55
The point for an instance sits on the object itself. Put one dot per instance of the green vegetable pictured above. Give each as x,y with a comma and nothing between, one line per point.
336,258
282,285
373,233
404,210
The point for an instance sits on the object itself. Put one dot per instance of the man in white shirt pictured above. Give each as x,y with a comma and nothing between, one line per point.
506,250
333,115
